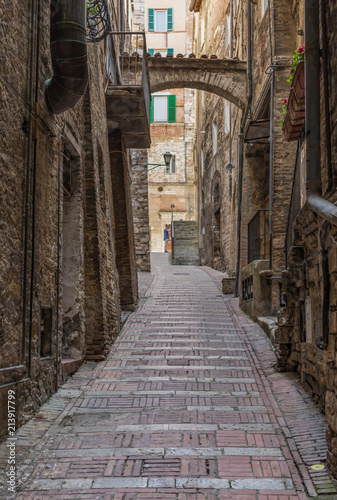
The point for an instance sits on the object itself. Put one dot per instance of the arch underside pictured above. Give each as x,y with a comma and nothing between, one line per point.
236,99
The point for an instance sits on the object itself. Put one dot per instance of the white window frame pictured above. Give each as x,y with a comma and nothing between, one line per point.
163,52
173,162
264,6
228,29
155,20
202,32
227,117
154,108
215,136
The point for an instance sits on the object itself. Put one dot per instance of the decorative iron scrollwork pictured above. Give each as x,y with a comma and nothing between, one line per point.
98,22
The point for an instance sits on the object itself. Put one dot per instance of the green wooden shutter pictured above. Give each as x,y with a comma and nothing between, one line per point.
171,108
170,51
151,19
151,51
169,19
151,112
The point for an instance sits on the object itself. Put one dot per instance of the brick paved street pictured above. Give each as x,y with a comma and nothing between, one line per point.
188,406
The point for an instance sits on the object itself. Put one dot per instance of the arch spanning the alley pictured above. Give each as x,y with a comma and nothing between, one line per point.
224,77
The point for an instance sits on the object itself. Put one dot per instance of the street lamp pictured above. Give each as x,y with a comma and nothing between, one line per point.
167,159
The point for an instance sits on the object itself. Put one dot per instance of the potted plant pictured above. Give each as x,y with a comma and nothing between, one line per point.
294,106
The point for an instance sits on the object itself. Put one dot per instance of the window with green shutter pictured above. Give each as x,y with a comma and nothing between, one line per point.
151,52
171,108
170,51
151,111
169,19
151,19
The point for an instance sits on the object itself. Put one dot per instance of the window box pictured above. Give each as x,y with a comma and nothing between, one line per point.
294,119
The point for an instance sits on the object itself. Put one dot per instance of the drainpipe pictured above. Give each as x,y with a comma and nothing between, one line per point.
68,45
315,201
312,97
323,340
237,275
271,168
241,142
326,98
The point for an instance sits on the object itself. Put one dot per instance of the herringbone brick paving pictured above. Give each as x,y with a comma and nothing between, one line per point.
188,406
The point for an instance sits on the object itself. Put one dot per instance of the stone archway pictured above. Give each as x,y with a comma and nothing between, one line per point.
224,77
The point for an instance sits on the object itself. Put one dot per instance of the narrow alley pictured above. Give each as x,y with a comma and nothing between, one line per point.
187,406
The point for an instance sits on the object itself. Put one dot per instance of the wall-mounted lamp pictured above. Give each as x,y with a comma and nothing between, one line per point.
167,159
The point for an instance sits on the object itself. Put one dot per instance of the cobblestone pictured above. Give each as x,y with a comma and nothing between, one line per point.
188,406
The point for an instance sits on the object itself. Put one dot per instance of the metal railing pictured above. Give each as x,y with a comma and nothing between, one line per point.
247,289
258,236
295,204
127,62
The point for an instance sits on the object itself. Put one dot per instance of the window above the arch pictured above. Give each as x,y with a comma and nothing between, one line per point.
264,5
215,136
160,20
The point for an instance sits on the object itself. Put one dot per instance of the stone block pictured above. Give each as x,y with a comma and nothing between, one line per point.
228,285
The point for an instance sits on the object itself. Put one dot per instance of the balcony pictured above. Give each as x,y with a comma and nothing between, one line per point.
258,236
128,97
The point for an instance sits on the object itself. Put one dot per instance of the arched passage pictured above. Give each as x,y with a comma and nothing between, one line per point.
223,77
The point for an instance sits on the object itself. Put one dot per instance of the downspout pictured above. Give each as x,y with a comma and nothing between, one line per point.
237,275
323,340
326,98
31,126
271,144
68,45
34,172
241,142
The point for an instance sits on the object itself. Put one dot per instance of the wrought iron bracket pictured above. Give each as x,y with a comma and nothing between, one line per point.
98,21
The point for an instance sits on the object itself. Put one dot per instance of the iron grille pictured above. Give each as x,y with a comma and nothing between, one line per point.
247,288
98,23
258,236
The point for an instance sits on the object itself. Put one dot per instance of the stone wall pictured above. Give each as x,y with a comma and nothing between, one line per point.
314,246
185,245
140,206
59,280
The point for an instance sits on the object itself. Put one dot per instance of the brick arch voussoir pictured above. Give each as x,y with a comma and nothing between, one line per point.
221,89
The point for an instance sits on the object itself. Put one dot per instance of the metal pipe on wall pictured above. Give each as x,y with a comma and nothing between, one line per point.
241,142
312,97
68,45
32,83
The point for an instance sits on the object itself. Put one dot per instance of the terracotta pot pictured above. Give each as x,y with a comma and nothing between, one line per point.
292,130
298,83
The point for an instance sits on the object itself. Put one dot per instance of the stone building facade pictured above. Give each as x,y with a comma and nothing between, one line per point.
172,131
307,326
283,206
68,263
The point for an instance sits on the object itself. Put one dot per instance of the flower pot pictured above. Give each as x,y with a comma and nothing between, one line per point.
292,130
298,83
295,107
